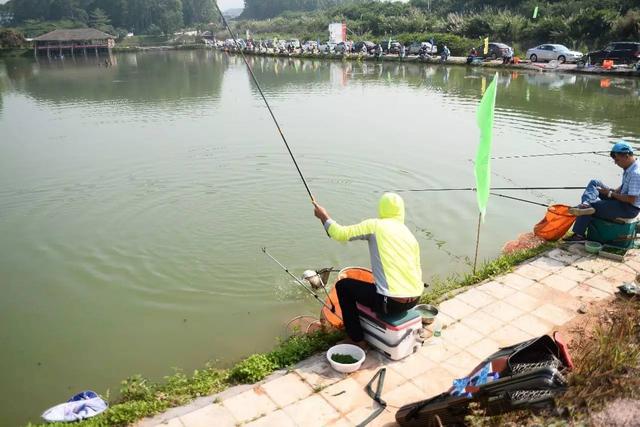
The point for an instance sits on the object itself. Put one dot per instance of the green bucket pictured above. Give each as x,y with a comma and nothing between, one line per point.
612,233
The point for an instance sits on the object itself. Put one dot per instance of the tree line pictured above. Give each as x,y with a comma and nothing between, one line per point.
264,9
114,16
579,24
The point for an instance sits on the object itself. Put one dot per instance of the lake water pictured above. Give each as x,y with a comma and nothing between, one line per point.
134,199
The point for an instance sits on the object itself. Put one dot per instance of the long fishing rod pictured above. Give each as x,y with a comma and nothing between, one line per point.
494,188
525,156
332,308
519,199
255,80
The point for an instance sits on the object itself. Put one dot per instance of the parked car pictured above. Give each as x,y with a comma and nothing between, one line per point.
294,43
310,45
549,52
357,46
625,52
390,46
343,47
414,48
231,44
326,46
496,50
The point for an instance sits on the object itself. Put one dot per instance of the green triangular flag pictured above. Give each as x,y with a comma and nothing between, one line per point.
535,12
485,124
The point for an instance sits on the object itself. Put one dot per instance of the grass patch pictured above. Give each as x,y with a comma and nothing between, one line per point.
440,288
607,368
141,398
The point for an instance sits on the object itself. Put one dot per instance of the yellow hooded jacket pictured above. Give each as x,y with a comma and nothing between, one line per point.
394,251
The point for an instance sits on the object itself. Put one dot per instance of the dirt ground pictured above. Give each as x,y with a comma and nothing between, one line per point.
621,412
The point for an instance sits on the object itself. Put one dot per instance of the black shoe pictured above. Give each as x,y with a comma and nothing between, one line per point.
575,238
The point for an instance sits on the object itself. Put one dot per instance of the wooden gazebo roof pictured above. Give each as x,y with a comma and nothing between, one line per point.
74,35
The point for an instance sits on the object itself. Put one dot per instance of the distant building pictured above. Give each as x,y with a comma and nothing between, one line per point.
81,41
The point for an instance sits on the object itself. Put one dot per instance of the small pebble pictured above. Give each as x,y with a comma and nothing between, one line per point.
582,309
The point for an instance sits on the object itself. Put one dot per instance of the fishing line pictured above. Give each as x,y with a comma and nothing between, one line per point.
494,188
255,80
525,156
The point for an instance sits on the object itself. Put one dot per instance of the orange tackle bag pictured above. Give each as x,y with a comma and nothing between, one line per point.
555,223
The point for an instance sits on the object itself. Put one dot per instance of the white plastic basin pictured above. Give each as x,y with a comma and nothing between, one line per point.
350,349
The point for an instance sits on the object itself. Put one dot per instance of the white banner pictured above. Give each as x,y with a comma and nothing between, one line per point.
336,33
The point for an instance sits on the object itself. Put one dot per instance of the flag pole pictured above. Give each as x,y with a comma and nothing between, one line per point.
475,258
482,170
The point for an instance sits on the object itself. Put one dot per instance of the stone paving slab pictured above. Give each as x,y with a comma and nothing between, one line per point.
287,389
249,405
313,412
516,281
534,299
202,417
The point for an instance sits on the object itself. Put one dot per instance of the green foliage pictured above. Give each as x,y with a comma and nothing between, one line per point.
262,9
135,15
11,39
577,23
253,369
99,20
299,347
627,27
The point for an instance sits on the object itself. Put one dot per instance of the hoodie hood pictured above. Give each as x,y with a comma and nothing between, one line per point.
391,206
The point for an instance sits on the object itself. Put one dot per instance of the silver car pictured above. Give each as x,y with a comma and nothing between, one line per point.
550,52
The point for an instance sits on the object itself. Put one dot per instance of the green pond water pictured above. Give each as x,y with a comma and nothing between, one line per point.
134,199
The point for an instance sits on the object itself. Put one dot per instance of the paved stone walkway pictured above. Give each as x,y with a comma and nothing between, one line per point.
538,296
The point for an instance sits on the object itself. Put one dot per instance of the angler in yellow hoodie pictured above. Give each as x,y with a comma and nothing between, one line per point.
395,262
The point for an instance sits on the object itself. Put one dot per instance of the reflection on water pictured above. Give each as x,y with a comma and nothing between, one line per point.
133,78
134,198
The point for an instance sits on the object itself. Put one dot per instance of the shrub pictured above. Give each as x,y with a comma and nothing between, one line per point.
11,39
253,369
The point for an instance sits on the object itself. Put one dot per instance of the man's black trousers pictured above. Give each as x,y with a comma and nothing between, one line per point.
351,291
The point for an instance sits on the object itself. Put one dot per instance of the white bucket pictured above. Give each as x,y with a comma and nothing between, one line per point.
349,349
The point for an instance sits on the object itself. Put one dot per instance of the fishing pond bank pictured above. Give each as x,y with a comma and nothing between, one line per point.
539,296
619,71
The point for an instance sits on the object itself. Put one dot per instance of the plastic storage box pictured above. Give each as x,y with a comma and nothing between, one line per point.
394,335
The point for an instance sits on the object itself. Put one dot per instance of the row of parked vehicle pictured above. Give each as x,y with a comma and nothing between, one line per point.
619,52
387,46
